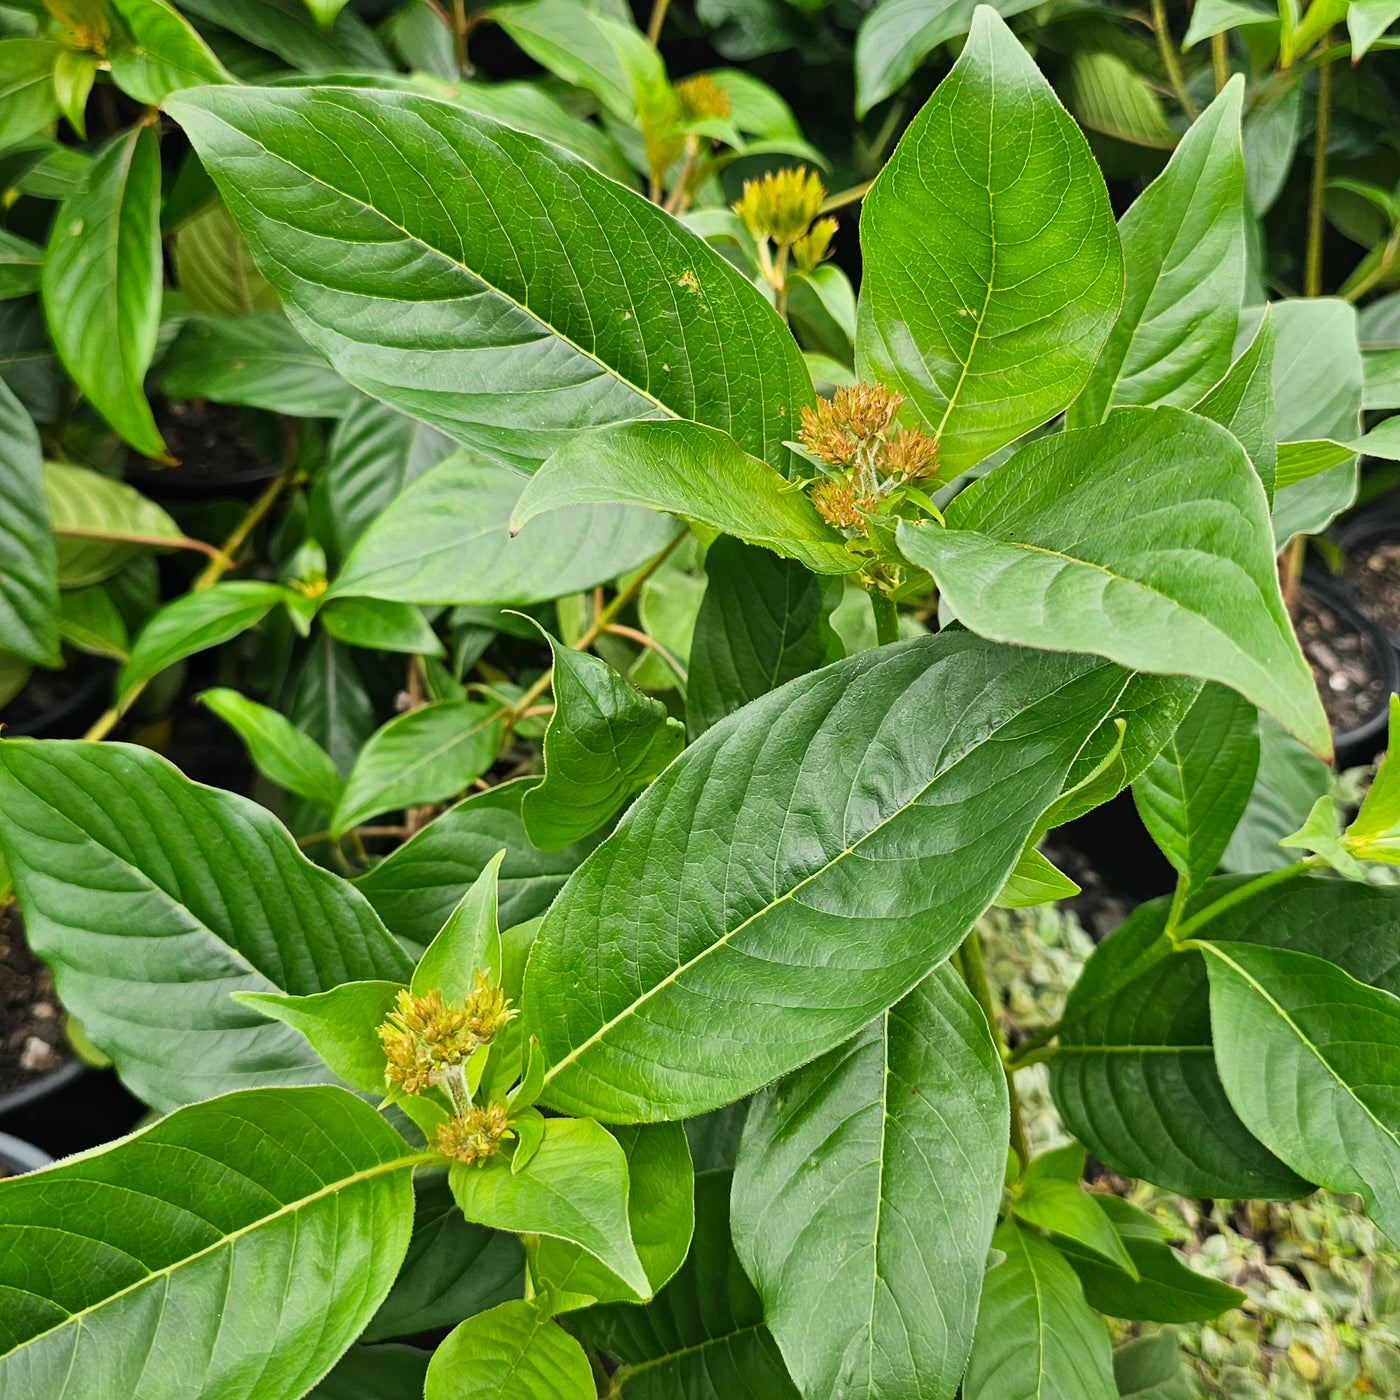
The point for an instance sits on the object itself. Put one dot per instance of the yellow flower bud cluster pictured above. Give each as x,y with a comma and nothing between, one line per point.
425,1037
782,205
700,97
475,1135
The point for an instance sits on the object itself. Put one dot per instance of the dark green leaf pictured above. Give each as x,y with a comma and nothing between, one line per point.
101,524
515,1351
330,704
375,1373
500,318
1271,131
259,361
27,101
1289,783
865,1196
102,283
380,625
276,1217
445,540
795,846
423,755
605,742
286,28
108,847
20,261
1164,1291
1066,1208
164,55
992,267
1150,1369
28,561
1195,791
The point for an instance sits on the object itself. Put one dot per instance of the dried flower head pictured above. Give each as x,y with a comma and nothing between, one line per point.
702,97
815,245
855,417
488,1010
475,1135
425,1037
835,499
782,204
909,453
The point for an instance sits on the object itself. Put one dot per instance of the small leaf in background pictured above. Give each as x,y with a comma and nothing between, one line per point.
764,620
1290,781
1150,1368
1193,794
1041,526
1109,95
1243,402
164,55
108,847
279,750
575,1187
693,471
73,77
100,524
1271,131
987,336
1034,880
1212,17
1183,249
20,261
380,625
421,756
393,1372
1367,20
470,941
195,622
255,360
232,1194
872,1289
286,28
341,1025
702,1336
28,560
445,540
27,101
1375,833
1310,1058
1037,1339
1321,834
215,268
102,284
605,742
660,1213
329,703
416,887
1066,1208
91,621
513,1351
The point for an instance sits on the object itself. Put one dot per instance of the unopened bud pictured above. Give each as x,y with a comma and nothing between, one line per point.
475,1135
781,205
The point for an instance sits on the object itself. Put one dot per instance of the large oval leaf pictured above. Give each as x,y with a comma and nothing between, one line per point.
112,852
248,1237
872,1288
514,1351
800,868
992,268
487,295
1040,552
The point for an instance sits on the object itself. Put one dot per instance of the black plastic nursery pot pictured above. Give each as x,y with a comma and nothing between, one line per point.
18,1156
216,455
1370,547
1328,607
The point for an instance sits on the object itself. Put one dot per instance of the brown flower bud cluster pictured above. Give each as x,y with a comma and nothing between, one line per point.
782,205
475,1135
425,1037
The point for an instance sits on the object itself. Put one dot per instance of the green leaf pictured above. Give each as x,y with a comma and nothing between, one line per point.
470,941
1066,1208
1290,781
195,622
795,859
380,625
1375,834
234,1195
421,756
764,620
165,53
102,283
1308,1056
28,560
453,1268
1367,20
1321,834
73,76
1036,1337
375,1373
445,540
605,742
1194,793
897,35
341,1026
1184,250
515,1351
575,1187
27,101
507,323
258,361
702,1336
100,524
1185,584
689,470
329,704
416,886
992,267
20,261
91,621
1271,131
1243,402
660,1214
280,750
1150,1368
871,1288
1108,94
107,844
1212,17
285,27
375,454
1034,880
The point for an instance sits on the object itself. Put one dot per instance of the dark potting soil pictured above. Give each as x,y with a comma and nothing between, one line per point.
1350,677
32,1042
209,441
1372,572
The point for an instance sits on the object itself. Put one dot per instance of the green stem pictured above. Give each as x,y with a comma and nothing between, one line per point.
1312,277
886,619
975,975
1169,59
1178,904
1240,893
1220,58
